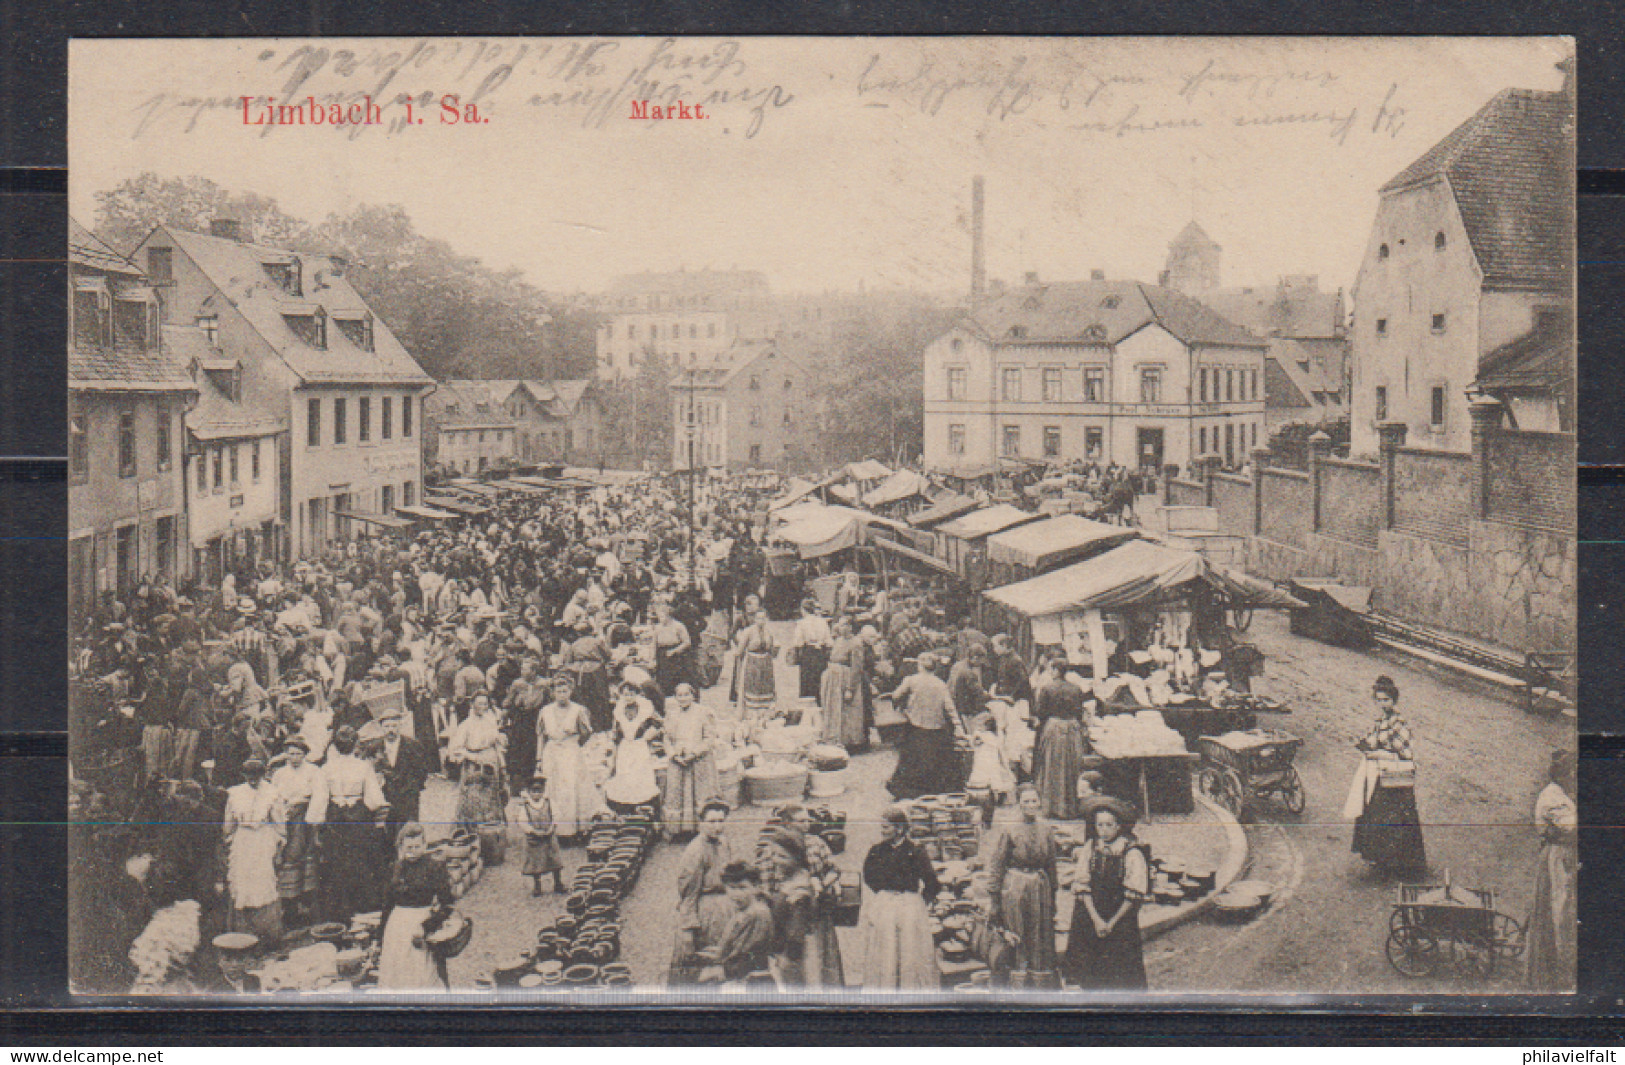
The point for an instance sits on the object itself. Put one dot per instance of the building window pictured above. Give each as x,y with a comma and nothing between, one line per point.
164,446
955,344
957,380
164,543
406,416
408,493
386,499
693,332
1052,441
711,329
1382,402
756,454
358,331
789,385
1201,441
1382,327
1202,387
482,436
1382,251
631,331
1094,386
756,415
1437,413
202,472
311,328
1252,384
1010,384
313,423
363,418
1439,243
1010,442
210,325
126,443
787,416
78,448
755,384
236,471
219,454
340,430
956,439
1150,385
254,461
386,417
1092,440
1052,384
1438,323
161,264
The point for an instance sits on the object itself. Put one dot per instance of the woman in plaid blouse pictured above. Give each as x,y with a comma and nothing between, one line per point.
1388,832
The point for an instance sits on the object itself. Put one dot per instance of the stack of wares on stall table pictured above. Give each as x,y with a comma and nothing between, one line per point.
582,948
945,826
826,762
461,857
1174,883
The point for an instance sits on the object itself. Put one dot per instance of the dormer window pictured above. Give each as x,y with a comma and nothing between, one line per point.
357,328
1382,251
1439,242
284,274
310,326
1110,303
1018,332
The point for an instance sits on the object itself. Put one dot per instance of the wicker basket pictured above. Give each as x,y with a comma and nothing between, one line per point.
775,783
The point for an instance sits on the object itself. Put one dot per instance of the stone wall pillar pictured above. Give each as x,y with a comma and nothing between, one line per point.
1261,461
1390,437
1209,465
1486,415
1320,446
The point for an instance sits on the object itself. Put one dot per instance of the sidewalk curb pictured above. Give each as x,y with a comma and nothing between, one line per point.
1236,859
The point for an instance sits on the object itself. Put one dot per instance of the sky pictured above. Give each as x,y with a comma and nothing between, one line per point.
823,162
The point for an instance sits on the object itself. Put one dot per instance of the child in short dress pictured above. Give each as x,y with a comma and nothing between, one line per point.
542,854
988,769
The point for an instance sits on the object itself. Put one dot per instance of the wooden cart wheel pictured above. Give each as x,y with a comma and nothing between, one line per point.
1219,786
1473,956
1411,951
1292,793
1508,935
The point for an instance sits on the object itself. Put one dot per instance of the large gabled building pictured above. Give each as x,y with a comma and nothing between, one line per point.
1102,371
128,394
314,357
1472,249
751,410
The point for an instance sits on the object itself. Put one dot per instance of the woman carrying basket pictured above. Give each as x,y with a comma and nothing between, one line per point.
1382,797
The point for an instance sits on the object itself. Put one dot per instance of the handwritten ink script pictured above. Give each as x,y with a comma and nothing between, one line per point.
593,83
1126,103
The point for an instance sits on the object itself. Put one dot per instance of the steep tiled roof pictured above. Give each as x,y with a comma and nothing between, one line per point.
216,416
122,367
1281,389
1540,360
471,404
1101,312
1511,168
1283,310
237,269
88,250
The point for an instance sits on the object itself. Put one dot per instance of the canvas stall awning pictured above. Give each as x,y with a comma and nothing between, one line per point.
899,486
432,513
1042,544
459,506
941,510
816,533
987,521
867,470
1128,575
797,490
387,521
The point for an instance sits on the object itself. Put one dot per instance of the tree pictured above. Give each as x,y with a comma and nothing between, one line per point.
128,212
873,394
637,413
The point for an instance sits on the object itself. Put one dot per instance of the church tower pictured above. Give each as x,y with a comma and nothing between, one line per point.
1193,262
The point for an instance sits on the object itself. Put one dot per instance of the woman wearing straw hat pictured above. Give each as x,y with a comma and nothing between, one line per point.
1104,950
302,790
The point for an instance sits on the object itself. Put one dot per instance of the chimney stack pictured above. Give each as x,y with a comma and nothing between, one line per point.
978,265
229,228
1097,275
1030,278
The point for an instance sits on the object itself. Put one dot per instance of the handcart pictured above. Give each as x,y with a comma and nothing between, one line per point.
1239,768
1435,927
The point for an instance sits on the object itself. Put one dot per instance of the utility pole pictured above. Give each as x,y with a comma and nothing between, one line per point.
693,425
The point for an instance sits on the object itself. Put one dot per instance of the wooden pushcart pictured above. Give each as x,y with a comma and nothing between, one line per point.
1437,927
1239,768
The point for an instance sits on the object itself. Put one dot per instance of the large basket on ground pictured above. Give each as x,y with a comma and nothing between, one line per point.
1438,927
1242,768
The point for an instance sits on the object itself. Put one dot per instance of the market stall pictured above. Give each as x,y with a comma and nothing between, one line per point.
1039,546
1144,625
962,542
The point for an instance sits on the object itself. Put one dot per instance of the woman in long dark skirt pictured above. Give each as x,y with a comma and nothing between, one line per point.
927,763
1104,951
1388,830
1063,743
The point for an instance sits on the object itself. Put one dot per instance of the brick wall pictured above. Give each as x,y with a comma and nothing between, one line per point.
1288,506
1531,479
1350,501
1187,493
1233,499
1433,494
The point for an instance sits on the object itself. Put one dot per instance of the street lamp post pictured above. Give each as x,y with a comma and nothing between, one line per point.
693,423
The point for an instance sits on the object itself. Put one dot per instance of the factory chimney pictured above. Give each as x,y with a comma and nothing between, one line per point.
978,266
